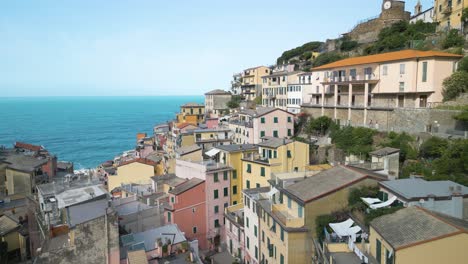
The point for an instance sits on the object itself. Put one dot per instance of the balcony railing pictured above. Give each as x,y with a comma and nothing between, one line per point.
447,10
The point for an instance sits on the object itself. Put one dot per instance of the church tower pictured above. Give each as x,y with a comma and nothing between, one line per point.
418,8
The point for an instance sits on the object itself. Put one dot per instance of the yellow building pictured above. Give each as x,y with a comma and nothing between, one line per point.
251,82
191,113
416,235
275,155
448,13
10,233
135,171
232,155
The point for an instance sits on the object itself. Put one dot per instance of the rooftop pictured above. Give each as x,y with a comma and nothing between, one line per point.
7,225
327,182
387,57
416,188
187,149
139,160
384,151
21,161
260,111
137,257
27,146
414,225
218,92
236,147
272,142
192,105
75,196
281,73
183,187
131,208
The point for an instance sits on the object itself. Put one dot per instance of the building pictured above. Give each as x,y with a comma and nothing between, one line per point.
216,102
445,197
232,155
235,235
416,235
217,194
93,241
251,82
274,155
207,139
249,125
368,90
191,152
135,171
236,83
275,88
187,209
193,113
14,235
300,90
425,16
135,216
448,13
251,228
385,161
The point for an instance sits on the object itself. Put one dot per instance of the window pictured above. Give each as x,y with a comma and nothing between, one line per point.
275,154
289,132
226,191
215,194
402,86
215,177
402,68
216,209
248,184
248,243
385,70
289,119
169,217
378,251
257,185
249,168
289,154
299,211
226,205
275,119
247,222
262,133
282,234
256,252
424,72
172,199
234,174
255,230
234,189
275,133
388,257
194,229
270,153
289,202
216,223
281,259
262,171
262,120
225,175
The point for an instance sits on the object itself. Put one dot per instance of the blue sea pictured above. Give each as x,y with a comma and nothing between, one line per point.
85,130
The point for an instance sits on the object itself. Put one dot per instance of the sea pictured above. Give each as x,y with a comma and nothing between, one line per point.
85,130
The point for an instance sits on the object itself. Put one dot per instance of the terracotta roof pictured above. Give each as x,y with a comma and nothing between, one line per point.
387,57
183,187
27,146
184,125
139,160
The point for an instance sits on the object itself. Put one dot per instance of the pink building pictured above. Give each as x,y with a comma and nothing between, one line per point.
212,122
217,183
249,126
187,209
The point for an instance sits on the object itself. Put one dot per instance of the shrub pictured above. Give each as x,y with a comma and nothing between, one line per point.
353,140
318,125
455,85
403,142
463,64
327,57
234,102
321,222
433,148
348,44
453,39
365,191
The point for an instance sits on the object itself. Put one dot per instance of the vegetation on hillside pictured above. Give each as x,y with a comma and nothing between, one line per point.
234,102
457,83
327,57
303,51
400,35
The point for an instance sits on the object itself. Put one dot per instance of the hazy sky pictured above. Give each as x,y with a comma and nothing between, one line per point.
171,47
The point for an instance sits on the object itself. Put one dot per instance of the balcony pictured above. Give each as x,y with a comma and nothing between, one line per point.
447,10
288,220
241,123
365,78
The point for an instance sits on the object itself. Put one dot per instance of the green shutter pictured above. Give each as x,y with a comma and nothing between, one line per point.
262,133
275,133
378,251
424,72
289,154
248,184
289,133
262,171
275,120
262,120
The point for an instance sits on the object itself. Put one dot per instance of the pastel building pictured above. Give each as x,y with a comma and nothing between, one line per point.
209,138
448,13
235,236
367,90
251,225
249,125
135,171
187,209
275,88
217,194
191,113
216,102
251,82
274,155
299,90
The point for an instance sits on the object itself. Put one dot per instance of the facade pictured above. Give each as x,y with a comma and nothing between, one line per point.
216,102
420,15
187,209
444,197
366,90
231,155
210,138
193,113
448,13
217,194
135,171
299,91
275,88
235,236
416,235
249,126
236,83
251,228
11,233
274,155
251,82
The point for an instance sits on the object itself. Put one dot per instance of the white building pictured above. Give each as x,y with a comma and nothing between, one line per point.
235,236
424,16
251,228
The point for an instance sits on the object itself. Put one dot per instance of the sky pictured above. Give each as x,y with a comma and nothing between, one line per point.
170,47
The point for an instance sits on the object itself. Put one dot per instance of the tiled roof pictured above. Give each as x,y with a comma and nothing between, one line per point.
414,225
236,147
261,111
139,160
387,57
7,225
186,186
27,146
193,105
217,92
184,125
415,189
187,149
273,142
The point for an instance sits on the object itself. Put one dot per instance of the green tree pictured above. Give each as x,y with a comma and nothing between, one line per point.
287,55
453,39
306,55
463,64
453,164
402,141
347,44
463,116
433,148
327,57
353,140
455,85
234,102
258,100
318,125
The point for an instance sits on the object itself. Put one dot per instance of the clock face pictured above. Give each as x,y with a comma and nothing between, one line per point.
387,5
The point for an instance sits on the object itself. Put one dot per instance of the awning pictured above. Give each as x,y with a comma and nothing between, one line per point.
212,152
384,204
341,229
370,201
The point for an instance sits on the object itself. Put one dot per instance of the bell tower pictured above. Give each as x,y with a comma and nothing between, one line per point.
418,8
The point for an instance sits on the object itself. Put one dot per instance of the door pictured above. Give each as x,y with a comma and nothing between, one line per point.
423,101
401,101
